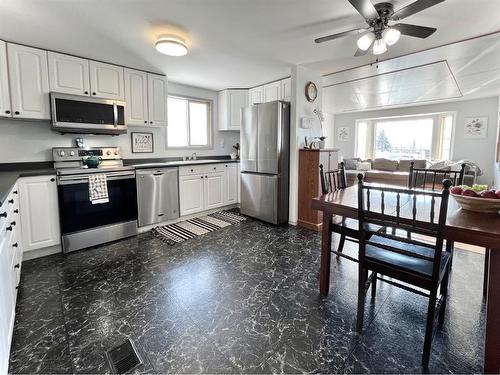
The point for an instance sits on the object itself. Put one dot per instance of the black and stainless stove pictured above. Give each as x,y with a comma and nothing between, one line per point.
84,224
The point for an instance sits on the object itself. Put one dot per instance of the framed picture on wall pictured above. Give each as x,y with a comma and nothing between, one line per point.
476,127
343,134
142,142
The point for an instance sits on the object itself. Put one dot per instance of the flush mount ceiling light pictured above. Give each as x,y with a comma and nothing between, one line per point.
171,45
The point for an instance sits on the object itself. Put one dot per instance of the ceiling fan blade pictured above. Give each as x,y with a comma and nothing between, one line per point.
415,30
360,52
413,8
338,35
365,8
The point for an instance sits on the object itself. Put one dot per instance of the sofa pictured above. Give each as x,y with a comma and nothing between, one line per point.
396,172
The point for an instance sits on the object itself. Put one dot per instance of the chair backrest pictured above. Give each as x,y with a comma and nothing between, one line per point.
410,210
422,178
332,181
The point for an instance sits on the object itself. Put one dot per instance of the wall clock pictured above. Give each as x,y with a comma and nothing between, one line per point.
311,92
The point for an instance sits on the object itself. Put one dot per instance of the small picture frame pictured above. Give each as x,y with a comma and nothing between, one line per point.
476,127
142,142
343,134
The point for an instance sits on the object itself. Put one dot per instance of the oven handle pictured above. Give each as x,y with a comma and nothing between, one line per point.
71,180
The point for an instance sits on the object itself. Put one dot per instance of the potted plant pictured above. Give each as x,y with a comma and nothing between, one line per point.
236,153
321,142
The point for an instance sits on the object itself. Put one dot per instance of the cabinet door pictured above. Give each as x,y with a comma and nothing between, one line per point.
68,74
29,82
231,184
39,212
7,306
5,108
238,179
157,99
286,89
236,100
106,81
214,190
272,91
191,194
136,96
256,95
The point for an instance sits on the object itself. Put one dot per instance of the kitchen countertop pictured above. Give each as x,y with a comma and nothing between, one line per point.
10,172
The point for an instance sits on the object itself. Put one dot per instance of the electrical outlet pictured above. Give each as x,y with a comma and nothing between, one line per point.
306,123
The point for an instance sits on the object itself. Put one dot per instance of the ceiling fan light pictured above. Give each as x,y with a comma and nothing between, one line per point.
379,47
391,36
365,41
171,45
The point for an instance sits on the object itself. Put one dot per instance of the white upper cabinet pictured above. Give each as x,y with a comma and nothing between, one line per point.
256,95
230,104
272,91
136,96
5,108
68,74
286,89
157,99
106,80
29,82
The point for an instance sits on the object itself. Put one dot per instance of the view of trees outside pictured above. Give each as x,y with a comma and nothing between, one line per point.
404,139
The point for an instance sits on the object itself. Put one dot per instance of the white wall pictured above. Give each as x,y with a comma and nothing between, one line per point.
481,151
301,108
32,140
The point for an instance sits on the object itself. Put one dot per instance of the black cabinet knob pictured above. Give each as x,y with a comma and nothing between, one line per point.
7,112
52,179
15,245
11,201
13,223
192,170
15,192
215,168
16,266
16,113
151,122
145,122
9,228
93,93
3,214
86,92
201,176
16,211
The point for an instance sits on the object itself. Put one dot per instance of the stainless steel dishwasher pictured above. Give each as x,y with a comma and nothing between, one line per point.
157,195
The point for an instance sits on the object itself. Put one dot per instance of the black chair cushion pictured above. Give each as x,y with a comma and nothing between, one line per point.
409,263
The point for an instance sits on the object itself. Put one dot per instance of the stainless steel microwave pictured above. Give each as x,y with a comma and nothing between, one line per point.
83,114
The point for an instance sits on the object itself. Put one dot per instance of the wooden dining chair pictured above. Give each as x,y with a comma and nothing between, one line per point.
416,264
427,179
333,181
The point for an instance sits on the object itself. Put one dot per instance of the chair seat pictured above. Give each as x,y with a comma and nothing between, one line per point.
418,266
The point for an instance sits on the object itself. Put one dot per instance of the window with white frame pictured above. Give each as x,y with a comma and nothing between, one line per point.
426,137
189,123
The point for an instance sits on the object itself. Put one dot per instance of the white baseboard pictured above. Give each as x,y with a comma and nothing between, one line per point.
38,253
187,217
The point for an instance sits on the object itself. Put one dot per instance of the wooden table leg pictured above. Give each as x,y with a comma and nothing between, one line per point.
326,246
492,342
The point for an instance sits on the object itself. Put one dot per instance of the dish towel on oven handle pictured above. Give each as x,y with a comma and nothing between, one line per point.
98,188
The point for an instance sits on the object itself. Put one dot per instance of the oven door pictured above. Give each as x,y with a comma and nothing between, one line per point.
76,211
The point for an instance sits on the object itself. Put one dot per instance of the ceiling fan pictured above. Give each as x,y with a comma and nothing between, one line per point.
379,33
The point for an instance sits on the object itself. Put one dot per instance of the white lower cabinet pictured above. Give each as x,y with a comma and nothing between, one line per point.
214,190
191,195
39,212
10,267
207,186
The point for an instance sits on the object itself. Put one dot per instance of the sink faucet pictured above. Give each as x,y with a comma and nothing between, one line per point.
193,156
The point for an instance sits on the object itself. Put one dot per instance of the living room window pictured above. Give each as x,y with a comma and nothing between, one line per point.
427,137
189,123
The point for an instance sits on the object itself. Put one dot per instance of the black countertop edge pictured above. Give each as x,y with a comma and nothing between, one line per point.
10,172
221,158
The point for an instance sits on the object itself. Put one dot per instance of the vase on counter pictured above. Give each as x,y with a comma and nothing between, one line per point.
321,144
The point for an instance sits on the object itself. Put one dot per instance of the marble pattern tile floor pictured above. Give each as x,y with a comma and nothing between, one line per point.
240,300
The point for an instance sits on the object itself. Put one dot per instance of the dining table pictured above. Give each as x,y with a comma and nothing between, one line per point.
469,227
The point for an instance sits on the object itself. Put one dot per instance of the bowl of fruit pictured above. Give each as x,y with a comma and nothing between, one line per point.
478,198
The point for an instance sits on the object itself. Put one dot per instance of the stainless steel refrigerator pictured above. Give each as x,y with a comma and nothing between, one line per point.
265,161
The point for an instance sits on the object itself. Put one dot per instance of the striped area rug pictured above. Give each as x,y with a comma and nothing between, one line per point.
184,230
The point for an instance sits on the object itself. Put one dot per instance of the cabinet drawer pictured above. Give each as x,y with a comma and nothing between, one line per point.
192,170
